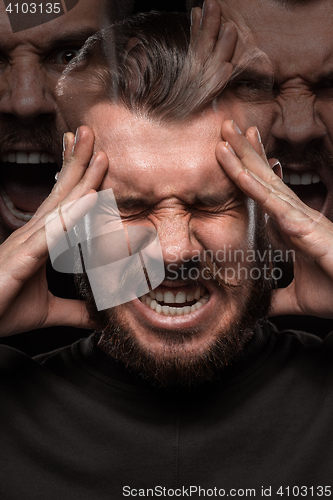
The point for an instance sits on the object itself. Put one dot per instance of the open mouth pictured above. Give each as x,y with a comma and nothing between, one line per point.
178,301
308,186
26,179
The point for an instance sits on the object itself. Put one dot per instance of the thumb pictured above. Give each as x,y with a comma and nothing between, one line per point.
69,312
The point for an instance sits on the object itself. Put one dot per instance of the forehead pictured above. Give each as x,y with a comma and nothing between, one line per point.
159,160
83,19
297,40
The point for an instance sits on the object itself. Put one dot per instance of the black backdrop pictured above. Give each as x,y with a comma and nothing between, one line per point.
166,5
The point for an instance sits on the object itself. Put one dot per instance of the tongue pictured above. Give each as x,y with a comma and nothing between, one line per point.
27,185
314,195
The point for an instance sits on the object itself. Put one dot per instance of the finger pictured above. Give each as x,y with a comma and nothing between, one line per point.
196,14
276,167
249,159
245,151
78,160
91,180
209,30
66,312
273,201
68,144
244,158
73,171
253,136
283,302
61,221
300,226
226,43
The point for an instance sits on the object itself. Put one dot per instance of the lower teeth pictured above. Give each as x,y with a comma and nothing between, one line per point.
173,311
9,204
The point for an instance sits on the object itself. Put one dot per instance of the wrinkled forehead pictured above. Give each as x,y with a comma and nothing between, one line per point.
159,159
295,35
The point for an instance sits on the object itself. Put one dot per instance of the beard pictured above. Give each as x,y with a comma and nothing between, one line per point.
45,136
179,366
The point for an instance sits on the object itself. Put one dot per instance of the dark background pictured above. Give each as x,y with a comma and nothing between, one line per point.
171,6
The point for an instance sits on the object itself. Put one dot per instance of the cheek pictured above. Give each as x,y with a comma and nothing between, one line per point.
224,233
325,112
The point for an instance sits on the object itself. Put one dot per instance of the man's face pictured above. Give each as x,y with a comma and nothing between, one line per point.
295,116
167,177
31,126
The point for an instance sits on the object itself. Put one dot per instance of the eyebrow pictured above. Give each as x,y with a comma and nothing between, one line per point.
71,37
60,40
253,74
132,202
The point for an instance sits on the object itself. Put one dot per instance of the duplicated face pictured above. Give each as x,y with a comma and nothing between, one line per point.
295,116
167,177
31,126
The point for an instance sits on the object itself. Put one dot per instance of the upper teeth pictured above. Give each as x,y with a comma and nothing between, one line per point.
154,297
301,179
22,157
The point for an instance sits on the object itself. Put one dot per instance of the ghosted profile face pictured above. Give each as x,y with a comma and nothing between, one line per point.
31,125
166,177
291,103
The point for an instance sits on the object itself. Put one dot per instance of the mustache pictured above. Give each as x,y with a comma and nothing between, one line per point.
313,158
208,270
44,137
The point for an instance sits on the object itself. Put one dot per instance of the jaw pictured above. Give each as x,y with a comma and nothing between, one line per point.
182,333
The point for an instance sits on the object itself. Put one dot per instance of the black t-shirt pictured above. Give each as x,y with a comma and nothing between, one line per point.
77,425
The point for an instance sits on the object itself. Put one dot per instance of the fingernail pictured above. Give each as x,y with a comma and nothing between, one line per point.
77,135
93,158
221,30
64,141
236,127
248,172
230,147
258,133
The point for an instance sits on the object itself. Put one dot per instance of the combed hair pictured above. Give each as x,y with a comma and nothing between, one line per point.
145,63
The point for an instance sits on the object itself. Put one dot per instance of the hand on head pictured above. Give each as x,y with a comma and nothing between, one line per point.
26,302
304,230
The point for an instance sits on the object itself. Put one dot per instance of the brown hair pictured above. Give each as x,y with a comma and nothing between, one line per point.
145,64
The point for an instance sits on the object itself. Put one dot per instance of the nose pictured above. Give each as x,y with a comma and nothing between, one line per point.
26,94
298,122
178,242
